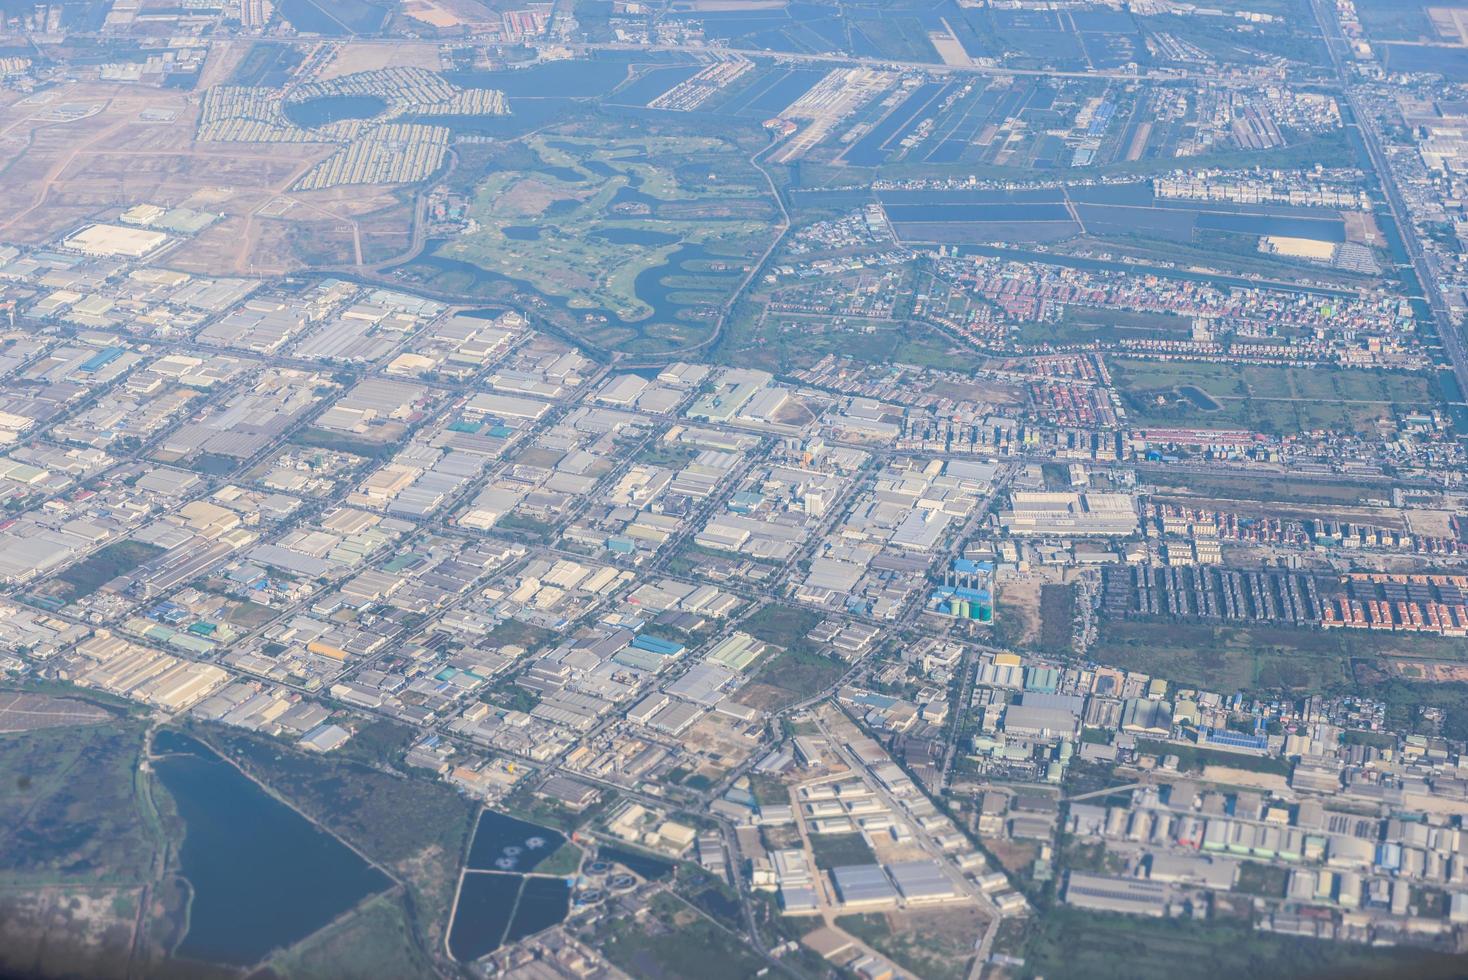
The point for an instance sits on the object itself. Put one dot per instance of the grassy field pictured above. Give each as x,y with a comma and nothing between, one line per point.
798,670
1193,759
1273,489
1230,658
674,942
935,944
784,626
1057,618
1068,943
99,568
840,850
784,342
376,941
1081,325
82,834
1264,880
788,677
72,810
1224,659
1276,400
582,220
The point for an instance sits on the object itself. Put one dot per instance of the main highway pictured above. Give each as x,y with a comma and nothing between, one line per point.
1447,328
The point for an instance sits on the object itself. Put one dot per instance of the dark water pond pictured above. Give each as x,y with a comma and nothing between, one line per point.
263,876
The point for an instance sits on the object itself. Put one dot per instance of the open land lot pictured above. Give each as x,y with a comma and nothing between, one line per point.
784,342
1225,658
88,150
1265,398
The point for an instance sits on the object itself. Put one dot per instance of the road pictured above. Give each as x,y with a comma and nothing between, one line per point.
1448,331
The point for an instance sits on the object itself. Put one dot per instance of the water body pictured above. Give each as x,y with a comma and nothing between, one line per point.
769,97
1320,229
333,108
505,843
629,195
666,288
650,868
567,175
333,18
499,901
486,904
901,213
565,79
495,909
525,114
521,233
634,236
1199,398
654,83
945,199
263,876
871,149
543,903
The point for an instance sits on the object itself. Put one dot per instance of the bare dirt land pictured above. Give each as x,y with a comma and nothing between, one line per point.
349,58
21,711
90,150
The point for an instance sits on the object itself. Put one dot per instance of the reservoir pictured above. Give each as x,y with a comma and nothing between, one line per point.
263,876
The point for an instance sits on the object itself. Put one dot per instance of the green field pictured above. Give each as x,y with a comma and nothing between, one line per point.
1230,658
1274,489
99,568
672,942
1193,759
784,342
784,626
1083,325
1268,399
1219,658
840,850
798,670
72,810
84,833
932,944
1067,942
582,220
374,941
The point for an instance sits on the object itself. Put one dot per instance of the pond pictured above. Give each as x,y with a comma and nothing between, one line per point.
650,868
325,109
634,236
505,843
263,876
499,900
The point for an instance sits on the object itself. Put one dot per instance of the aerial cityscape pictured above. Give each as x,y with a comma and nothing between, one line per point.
722,489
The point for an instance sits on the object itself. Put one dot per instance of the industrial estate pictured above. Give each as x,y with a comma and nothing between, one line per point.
733,488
